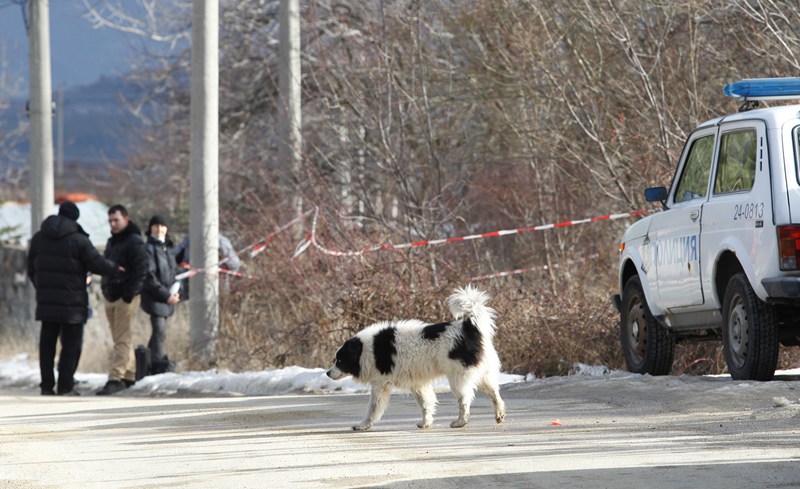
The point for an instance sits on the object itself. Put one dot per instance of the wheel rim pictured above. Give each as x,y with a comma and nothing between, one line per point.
737,331
636,331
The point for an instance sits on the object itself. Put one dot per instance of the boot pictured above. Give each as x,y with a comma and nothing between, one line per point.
111,387
163,366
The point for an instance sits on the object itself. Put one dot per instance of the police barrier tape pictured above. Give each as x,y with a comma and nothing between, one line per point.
253,249
311,238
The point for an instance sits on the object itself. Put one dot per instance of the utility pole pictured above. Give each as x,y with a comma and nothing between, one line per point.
204,175
60,133
40,111
290,84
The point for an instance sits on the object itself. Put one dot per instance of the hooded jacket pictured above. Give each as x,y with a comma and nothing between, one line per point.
59,257
127,249
161,271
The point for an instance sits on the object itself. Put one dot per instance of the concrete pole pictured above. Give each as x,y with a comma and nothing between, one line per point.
40,110
290,82
60,134
204,174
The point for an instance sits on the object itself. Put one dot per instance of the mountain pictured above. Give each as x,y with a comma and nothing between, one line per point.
89,65
97,127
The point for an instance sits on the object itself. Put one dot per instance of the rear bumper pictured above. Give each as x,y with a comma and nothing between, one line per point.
782,287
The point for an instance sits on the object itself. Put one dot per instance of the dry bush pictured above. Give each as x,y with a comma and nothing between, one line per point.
298,312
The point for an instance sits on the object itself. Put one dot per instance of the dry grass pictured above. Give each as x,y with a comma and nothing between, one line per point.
299,312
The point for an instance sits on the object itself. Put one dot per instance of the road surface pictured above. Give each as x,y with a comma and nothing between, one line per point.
629,432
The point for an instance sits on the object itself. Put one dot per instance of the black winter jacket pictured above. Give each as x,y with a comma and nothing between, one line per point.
161,271
127,249
60,254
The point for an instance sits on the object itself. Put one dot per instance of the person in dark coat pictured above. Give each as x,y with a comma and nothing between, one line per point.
59,258
158,295
121,292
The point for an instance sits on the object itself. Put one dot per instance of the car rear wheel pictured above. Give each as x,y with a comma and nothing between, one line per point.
646,344
749,332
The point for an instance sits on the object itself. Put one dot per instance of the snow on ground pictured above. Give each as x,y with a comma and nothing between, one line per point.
23,372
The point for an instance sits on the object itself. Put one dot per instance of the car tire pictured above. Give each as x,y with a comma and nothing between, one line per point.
749,332
647,345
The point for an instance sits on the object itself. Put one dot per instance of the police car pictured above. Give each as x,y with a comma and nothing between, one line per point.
722,258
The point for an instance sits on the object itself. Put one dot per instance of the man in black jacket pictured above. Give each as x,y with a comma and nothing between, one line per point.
121,292
59,258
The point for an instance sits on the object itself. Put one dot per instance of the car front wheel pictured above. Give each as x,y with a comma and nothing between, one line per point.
646,344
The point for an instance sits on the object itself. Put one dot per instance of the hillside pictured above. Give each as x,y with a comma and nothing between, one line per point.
98,129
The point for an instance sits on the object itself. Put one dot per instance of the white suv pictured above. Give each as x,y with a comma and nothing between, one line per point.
723,257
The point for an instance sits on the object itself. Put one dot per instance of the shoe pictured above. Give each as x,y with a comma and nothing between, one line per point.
70,393
162,366
111,387
48,392
128,383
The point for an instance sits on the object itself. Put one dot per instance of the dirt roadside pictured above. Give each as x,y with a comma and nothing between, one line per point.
626,431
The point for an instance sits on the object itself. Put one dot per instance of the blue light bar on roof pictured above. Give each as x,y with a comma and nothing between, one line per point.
765,89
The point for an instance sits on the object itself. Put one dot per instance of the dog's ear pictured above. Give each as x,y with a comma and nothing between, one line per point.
354,346
348,358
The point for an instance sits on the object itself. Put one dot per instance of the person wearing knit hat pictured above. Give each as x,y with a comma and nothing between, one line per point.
59,257
159,296
156,219
69,210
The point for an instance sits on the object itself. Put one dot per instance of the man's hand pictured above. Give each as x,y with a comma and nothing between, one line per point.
174,299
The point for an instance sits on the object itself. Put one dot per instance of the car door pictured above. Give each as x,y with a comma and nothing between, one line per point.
675,233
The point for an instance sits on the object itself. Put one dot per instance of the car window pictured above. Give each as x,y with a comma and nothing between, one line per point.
797,151
736,170
694,180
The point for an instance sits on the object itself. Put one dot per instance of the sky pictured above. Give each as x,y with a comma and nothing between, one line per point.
80,54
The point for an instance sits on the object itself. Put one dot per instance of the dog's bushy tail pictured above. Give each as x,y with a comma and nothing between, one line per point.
471,302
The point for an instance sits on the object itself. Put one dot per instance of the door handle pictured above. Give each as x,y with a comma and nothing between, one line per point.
694,215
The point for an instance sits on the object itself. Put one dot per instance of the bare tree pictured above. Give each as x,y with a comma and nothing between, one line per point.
439,119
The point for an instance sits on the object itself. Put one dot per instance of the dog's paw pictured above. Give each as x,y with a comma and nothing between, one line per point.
362,427
459,423
424,424
499,417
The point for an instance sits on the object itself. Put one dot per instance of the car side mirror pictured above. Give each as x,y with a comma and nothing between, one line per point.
655,194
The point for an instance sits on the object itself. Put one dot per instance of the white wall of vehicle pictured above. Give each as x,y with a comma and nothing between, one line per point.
740,221
786,185
639,254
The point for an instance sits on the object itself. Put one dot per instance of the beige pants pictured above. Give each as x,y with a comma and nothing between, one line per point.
120,320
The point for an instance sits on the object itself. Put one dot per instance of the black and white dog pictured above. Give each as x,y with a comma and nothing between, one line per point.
411,354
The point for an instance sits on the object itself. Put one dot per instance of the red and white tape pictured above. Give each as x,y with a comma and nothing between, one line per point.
253,249
311,239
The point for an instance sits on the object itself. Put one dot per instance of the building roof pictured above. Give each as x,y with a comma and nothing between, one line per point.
15,219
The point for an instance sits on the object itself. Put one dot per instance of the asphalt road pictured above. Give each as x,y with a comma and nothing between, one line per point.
566,432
